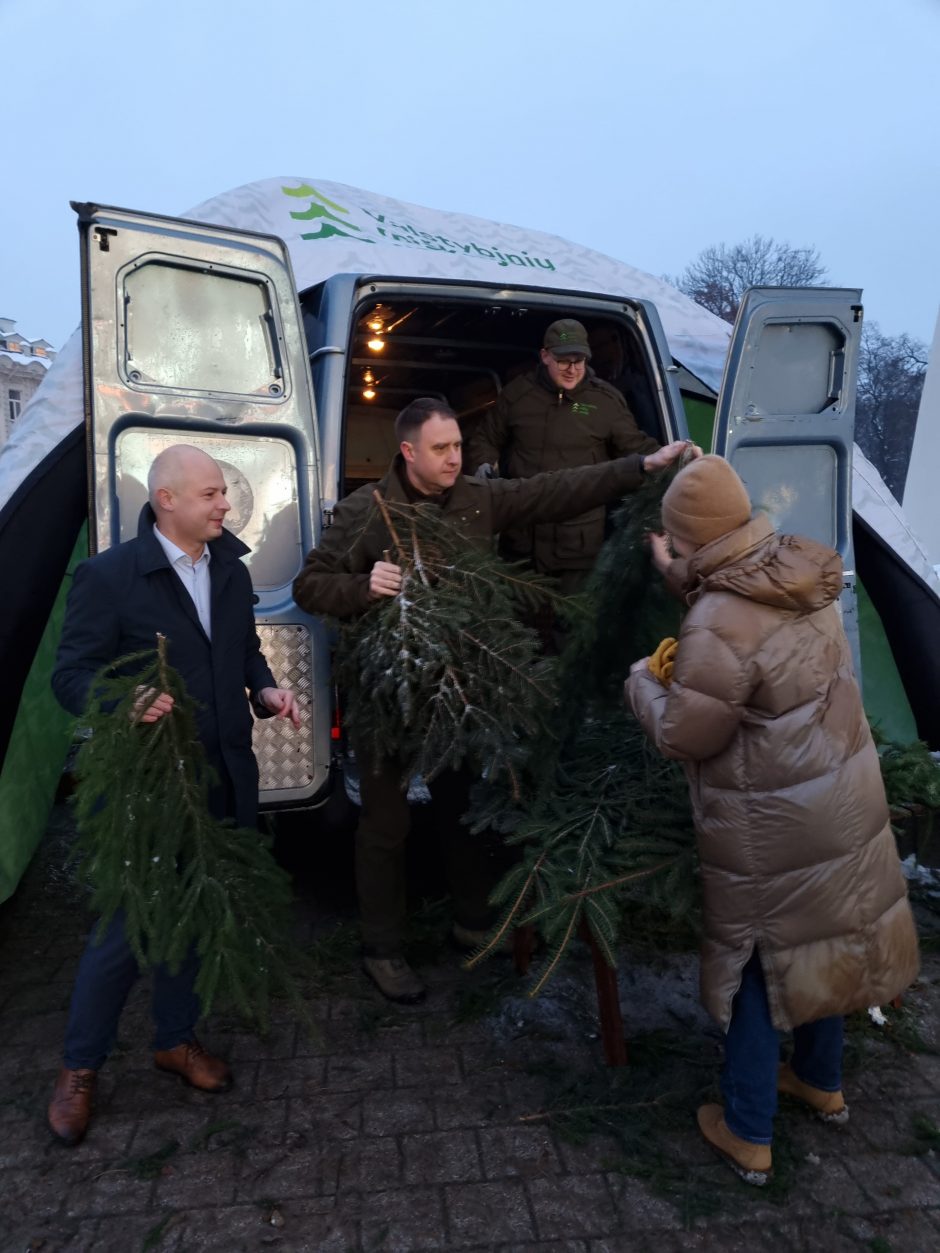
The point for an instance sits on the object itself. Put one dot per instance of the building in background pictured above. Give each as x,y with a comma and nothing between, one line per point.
23,366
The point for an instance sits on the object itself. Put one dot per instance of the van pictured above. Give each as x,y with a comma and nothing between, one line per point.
197,332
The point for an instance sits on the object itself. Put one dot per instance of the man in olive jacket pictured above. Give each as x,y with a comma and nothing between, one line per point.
348,572
555,418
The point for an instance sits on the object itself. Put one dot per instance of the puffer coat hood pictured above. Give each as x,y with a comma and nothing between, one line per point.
797,853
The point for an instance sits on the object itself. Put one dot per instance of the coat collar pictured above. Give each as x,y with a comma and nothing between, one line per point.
731,547
226,549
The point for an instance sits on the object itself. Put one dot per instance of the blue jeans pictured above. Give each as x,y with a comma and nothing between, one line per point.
752,1055
105,976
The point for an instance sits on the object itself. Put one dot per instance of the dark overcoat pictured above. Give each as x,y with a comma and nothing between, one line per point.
118,602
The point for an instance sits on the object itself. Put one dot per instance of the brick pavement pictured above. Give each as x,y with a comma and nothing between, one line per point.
433,1128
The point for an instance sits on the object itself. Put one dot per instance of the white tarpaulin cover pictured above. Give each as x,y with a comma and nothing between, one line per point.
331,228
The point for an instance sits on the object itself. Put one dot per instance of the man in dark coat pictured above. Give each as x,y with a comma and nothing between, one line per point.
348,572
557,417
181,577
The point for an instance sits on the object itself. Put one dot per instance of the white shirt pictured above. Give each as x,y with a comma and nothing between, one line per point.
194,575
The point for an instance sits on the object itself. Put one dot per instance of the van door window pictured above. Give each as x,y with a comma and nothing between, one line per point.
190,330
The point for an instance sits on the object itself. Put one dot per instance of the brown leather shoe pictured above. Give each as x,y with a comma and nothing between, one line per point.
195,1066
72,1101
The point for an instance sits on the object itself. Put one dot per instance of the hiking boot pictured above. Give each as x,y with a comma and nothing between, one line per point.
752,1162
195,1066
829,1107
72,1101
395,979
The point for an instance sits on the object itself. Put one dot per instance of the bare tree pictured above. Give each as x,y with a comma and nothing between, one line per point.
891,371
719,276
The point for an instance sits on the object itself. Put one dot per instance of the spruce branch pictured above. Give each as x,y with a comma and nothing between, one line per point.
148,846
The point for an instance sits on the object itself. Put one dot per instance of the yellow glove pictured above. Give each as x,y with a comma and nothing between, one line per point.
660,663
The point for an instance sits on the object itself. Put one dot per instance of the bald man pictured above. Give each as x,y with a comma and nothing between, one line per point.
181,577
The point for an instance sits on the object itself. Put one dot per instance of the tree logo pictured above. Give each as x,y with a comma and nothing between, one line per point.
334,220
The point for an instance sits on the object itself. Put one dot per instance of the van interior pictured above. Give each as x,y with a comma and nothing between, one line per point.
464,352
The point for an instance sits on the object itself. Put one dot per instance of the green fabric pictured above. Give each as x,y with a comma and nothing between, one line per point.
700,415
883,692
40,740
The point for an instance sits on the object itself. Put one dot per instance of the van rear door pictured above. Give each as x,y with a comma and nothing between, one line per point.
786,414
192,334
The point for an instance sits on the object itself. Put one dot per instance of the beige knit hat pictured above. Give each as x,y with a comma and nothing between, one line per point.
705,500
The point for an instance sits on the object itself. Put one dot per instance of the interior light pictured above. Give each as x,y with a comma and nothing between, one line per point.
368,393
376,344
368,377
375,324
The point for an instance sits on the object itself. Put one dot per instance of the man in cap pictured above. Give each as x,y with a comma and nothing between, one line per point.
557,417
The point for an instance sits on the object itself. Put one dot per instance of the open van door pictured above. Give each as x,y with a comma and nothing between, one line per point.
786,415
192,334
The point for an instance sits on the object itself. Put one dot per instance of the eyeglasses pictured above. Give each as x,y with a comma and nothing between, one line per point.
563,361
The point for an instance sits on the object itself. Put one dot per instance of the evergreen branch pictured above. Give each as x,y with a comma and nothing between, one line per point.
559,953
386,517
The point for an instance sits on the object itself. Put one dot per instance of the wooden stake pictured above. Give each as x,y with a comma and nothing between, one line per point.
608,1004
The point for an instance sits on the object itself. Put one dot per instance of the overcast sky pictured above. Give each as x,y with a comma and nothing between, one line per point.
648,130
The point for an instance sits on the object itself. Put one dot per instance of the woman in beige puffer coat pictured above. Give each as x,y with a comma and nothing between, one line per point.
805,908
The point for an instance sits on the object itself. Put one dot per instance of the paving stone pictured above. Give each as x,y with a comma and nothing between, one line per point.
779,1236
488,1212
927,1068
428,1068
30,1193
281,1041
900,1229
36,1030
832,1186
909,1182
112,1191
54,1235
294,1076
303,1170
547,1246
188,1127
327,1117
578,1205
638,1208
888,1126
441,1157
528,1151
402,1220
471,1104
109,1137
597,1153
358,1072
197,1179
399,1130
370,1165
392,1113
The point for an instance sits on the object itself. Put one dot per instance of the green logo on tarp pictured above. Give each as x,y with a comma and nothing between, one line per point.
327,213
320,207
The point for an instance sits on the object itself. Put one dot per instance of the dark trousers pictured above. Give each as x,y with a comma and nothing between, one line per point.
472,864
106,974
752,1056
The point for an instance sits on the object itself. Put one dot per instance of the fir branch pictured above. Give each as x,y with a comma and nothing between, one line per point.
148,846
